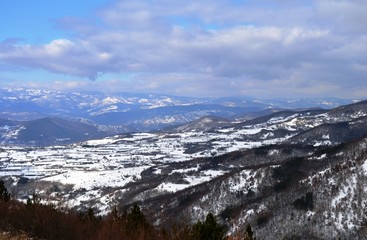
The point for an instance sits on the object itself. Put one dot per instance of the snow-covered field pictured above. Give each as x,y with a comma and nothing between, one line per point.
115,161
118,161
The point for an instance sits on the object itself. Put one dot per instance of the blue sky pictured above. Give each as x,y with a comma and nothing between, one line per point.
256,48
37,21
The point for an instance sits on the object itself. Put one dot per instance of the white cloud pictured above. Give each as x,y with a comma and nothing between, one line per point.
212,48
343,15
58,47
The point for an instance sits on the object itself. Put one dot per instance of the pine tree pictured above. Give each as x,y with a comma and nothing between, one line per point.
4,195
136,222
208,230
90,214
249,234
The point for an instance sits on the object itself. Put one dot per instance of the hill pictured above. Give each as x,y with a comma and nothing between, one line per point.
47,131
290,175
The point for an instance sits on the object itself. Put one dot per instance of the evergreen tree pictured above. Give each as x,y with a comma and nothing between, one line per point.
197,231
4,195
136,222
208,230
90,214
249,234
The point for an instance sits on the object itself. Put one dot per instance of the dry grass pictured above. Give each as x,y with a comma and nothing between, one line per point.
14,236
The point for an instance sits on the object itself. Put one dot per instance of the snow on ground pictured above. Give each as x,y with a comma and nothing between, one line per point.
364,167
345,204
171,187
186,170
322,143
114,161
100,141
191,181
98,179
249,131
119,160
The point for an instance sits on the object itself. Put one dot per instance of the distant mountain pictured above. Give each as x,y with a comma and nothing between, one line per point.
283,115
253,115
47,131
132,112
202,124
149,119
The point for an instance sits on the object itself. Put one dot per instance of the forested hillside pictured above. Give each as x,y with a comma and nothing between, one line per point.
34,220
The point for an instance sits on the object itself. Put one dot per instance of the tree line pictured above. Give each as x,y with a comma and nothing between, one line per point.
41,221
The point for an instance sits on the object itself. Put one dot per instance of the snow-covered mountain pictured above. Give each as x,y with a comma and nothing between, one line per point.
291,174
130,112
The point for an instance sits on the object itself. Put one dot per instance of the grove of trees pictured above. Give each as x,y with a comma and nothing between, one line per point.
40,221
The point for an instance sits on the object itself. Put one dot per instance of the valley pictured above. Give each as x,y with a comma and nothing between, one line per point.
289,167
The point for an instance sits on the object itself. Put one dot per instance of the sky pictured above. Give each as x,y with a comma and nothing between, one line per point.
201,48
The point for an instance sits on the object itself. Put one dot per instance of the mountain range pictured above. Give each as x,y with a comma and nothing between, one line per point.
289,174
47,117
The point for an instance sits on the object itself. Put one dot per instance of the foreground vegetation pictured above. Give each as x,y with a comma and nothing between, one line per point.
46,222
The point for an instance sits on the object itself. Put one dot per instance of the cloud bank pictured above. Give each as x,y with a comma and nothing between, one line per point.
204,48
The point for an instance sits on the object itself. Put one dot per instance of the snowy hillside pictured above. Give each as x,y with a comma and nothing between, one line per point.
289,174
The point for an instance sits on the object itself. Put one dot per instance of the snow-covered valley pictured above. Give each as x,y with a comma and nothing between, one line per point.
234,171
